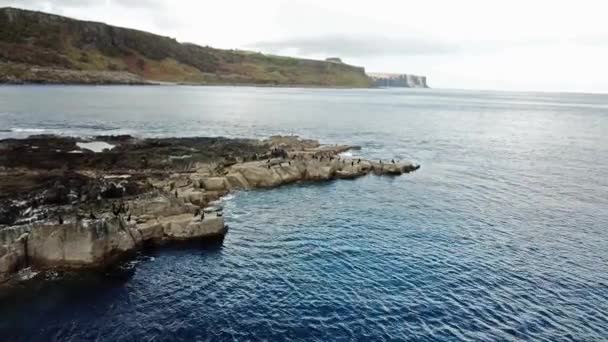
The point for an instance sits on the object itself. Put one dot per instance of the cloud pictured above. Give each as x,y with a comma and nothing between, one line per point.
356,46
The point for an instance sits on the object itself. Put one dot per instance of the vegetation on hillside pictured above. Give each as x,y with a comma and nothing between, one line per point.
41,39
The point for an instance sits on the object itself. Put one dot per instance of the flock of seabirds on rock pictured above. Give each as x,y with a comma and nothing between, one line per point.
121,208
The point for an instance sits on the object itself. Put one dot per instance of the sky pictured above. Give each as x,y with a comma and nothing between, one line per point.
543,45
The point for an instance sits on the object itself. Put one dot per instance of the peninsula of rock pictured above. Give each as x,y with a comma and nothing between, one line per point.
65,204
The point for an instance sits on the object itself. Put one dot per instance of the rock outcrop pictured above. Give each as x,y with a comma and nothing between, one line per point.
97,242
77,223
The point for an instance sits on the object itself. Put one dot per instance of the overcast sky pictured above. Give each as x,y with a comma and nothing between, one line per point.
550,45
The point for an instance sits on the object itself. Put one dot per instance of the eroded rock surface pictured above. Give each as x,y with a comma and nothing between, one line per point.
77,210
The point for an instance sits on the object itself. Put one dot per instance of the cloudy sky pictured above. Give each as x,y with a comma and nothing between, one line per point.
550,45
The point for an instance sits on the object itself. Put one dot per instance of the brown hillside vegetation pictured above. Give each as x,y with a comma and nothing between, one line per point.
29,39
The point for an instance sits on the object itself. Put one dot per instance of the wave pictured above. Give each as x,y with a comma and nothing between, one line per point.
26,130
96,127
84,126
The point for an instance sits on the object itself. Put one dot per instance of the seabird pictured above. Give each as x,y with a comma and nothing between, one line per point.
115,211
393,161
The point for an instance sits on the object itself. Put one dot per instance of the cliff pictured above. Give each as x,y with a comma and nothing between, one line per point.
397,80
37,47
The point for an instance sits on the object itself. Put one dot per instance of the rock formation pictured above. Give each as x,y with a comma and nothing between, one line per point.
82,223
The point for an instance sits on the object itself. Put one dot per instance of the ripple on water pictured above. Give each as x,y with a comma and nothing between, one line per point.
500,236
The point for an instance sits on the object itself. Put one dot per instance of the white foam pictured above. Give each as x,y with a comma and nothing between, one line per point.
116,176
95,146
26,274
28,130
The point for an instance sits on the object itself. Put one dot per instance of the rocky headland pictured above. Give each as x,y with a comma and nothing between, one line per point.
70,203
44,48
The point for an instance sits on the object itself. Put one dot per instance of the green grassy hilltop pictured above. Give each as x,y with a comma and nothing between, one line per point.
41,47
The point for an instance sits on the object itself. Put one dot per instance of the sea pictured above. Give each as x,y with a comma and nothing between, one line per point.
501,235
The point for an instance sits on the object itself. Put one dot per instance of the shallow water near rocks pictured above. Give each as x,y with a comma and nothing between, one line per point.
501,235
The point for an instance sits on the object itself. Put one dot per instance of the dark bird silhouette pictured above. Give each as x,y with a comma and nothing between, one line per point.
352,163
175,193
359,161
129,218
393,161
60,219
92,216
115,211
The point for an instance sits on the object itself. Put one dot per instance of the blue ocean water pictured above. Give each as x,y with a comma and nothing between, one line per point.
501,235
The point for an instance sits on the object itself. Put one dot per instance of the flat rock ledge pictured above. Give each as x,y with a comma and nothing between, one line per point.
176,207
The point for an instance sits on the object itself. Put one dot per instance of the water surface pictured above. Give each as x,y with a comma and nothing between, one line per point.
501,235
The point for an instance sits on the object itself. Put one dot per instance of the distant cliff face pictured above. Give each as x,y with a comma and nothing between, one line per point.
398,80
32,40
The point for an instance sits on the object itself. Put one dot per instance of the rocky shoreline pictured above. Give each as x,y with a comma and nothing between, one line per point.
67,203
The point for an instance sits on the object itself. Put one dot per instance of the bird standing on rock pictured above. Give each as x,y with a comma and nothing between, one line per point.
115,211
60,219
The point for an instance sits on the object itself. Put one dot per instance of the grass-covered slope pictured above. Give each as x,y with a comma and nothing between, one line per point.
35,45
